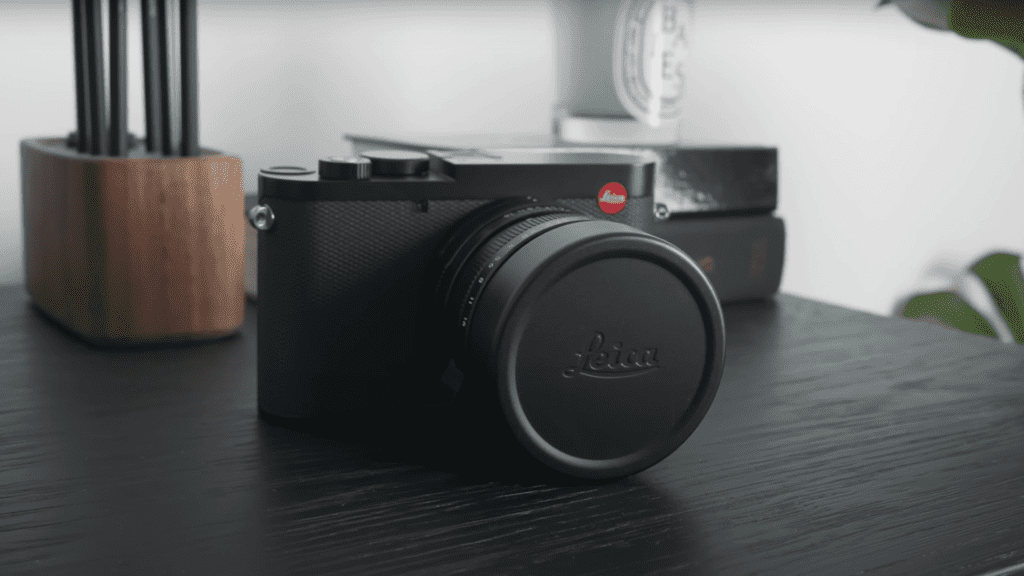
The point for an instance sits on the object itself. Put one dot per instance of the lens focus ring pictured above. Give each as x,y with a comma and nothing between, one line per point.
482,264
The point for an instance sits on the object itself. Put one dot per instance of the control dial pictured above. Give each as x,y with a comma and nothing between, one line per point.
397,162
344,168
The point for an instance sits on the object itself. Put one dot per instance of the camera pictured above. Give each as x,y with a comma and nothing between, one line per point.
524,279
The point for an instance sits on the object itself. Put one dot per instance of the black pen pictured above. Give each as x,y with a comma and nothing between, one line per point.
189,80
81,77
94,80
168,112
118,79
151,75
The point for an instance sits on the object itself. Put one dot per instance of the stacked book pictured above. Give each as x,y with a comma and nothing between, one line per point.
726,195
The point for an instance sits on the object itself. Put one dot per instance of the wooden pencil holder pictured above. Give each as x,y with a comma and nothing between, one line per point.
134,250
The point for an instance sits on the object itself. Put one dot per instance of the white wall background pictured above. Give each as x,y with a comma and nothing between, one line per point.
901,148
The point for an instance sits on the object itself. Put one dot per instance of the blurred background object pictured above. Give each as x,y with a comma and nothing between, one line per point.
899,145
138,245
930,13
999,20
986,298
621,69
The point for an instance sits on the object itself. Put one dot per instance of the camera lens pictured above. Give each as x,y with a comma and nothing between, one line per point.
602,345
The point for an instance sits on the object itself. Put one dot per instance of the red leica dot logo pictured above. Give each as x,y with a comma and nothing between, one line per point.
612,198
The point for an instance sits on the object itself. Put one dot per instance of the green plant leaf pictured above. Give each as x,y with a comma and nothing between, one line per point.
1002,276
998,20
947,309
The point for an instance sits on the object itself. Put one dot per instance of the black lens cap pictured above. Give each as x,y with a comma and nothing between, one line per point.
606,343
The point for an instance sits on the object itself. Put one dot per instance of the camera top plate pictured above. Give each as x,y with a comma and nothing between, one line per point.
542,173
540,156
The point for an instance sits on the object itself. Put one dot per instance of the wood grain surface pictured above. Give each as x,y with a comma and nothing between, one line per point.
134,249
840,443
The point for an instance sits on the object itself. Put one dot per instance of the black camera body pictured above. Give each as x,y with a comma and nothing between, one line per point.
400,279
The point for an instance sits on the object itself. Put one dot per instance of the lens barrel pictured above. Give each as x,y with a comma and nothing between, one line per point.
602,345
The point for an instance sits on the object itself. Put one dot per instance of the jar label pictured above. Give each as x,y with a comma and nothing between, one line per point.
651,45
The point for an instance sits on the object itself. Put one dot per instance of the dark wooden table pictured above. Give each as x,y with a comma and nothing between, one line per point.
840,443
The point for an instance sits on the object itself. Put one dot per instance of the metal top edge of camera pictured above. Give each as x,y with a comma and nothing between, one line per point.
541,173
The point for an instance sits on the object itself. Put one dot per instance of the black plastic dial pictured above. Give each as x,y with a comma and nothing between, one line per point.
397,162
344,168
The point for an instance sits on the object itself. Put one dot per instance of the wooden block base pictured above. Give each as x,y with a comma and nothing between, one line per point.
135,250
